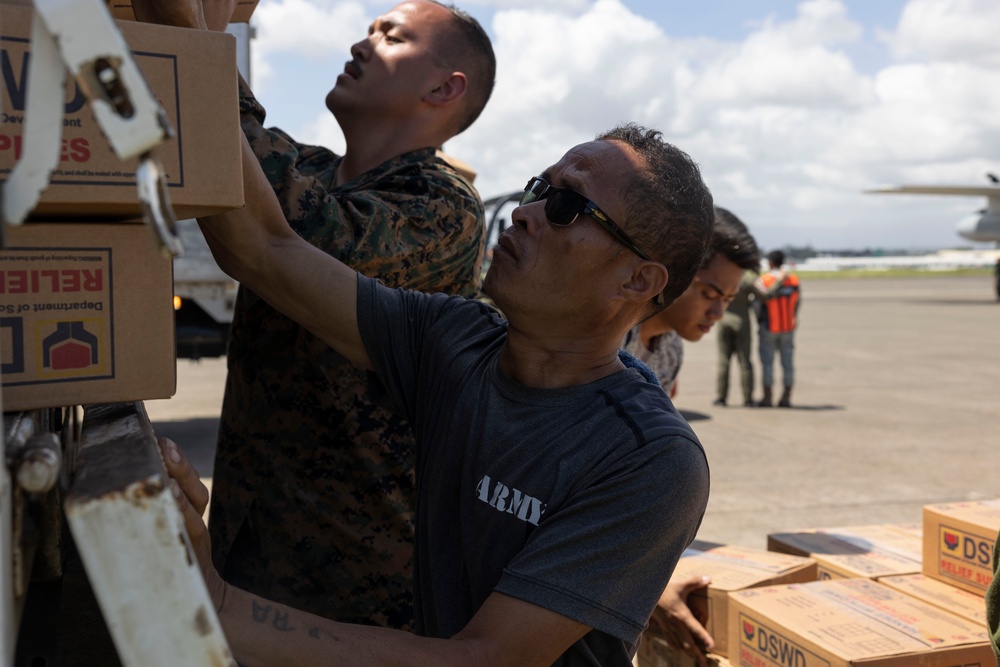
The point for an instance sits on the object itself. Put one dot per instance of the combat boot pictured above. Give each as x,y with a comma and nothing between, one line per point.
786,398
766,401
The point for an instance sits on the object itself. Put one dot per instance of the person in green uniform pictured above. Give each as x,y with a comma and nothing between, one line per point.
734,339
313,483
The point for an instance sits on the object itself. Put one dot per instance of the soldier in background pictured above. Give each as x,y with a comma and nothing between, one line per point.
313,485
734,338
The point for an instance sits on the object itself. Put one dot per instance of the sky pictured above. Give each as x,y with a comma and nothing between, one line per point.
791,109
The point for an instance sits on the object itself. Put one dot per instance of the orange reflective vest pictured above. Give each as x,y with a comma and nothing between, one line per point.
782,305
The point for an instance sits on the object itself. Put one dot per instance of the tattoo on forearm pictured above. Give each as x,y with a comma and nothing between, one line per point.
281,622
317,633
262,612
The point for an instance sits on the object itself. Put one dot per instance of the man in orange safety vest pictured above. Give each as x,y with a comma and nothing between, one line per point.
779,292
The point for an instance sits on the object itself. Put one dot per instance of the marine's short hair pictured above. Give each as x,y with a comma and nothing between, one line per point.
776,258
669,207
467,48
732,240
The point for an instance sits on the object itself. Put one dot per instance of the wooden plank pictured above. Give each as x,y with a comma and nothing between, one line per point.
131,538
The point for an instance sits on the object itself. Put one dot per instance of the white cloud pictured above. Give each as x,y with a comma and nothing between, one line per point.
795,63
319,31
323,130
744,111
787,128
964,30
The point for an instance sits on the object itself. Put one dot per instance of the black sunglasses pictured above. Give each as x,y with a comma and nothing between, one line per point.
563,206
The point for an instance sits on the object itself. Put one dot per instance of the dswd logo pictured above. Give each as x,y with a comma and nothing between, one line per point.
968,547
765,642
70,349
70,346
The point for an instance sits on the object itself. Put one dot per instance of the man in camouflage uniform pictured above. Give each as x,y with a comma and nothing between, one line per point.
313,496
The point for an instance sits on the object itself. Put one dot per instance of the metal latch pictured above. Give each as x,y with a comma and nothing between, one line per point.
81,35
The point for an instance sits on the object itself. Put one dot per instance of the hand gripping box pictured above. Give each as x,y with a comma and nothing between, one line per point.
734,568
958,543
654,651
191,73
86,316
849,623
855,551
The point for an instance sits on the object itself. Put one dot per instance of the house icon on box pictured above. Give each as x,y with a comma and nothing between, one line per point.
70,346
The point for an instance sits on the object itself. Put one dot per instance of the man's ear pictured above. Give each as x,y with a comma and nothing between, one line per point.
648,279
450,90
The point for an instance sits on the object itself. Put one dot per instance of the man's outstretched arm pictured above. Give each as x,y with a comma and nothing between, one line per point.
256,246
505,632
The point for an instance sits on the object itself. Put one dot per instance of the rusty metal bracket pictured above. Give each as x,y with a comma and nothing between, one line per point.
131,537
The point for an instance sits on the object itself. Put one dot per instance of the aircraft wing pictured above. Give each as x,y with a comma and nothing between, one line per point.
968,191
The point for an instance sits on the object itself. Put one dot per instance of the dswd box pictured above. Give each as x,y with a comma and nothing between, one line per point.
191,73
122,9
965,604
86,316
734,568
855,551
849,623
958,543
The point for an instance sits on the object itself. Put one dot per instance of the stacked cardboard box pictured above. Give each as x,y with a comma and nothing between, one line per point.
86,316
122,10
965,604
86,307
731,568
734,568
958,543
855,551
846,623
201,162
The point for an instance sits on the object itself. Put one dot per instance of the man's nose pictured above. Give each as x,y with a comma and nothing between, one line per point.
360,50
529,217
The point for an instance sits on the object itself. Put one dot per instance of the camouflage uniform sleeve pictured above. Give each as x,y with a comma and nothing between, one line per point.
413,222
429,234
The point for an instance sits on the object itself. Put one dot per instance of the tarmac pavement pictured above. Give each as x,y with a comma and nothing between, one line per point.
894,407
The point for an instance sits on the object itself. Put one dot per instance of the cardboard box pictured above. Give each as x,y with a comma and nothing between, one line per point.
87,316
734,568
654,651
202,162
855,551
965,604
122,9
846,623
958,543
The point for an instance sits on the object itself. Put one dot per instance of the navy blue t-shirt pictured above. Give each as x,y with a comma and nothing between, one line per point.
579,500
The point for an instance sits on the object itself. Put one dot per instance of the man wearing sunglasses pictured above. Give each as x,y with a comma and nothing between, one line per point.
556,488
313,480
